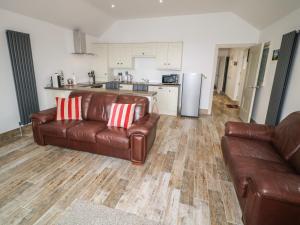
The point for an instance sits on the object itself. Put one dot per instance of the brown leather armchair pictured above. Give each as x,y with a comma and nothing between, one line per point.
92,134
264,163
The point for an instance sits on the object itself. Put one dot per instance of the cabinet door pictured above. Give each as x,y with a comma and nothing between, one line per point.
167,99
162,55
120,56
100,61
126,87
171,95
143,50
175,56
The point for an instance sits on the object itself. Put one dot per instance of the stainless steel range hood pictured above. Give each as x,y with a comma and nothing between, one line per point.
80,43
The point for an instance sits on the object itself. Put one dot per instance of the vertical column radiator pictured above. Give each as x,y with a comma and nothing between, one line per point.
23,71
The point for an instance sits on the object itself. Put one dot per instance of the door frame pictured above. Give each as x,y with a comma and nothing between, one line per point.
219,46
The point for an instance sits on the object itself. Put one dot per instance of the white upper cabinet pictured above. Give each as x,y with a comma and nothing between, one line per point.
162,55
169,56
100,62
120,56
143,50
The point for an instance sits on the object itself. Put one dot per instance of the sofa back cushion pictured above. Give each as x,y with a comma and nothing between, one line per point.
142,104
85,101
287,138
100,105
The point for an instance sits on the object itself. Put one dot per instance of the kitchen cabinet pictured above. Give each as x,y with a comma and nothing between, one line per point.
169,56
120,56
126,87
166,99
143,50
100,62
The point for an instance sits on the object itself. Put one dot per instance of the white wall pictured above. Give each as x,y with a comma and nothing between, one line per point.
200,34
51,48
274,34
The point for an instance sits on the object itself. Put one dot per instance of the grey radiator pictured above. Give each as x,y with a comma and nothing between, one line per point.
282,74
23,71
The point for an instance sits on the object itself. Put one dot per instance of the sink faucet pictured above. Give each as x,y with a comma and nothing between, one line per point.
92,75
145,80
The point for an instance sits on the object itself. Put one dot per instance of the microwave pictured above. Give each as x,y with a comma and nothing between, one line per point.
170,79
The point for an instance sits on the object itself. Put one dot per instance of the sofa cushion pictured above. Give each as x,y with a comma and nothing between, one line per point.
114,137
57,128
100,106
121,115
68,108
86,131
249,148
142,104
85,101
242,168
287,136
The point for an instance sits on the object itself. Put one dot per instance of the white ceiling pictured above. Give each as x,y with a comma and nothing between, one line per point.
94,16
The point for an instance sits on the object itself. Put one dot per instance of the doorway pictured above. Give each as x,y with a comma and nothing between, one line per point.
239,83
230,72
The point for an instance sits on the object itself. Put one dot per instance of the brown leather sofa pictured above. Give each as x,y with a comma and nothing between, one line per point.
264,163
92,135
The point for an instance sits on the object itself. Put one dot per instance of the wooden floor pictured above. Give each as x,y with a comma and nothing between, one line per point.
184,180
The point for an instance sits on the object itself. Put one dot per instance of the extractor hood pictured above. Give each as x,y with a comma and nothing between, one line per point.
80,43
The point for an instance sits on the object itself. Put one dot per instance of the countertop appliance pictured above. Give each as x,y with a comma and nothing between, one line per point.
191,93
170,79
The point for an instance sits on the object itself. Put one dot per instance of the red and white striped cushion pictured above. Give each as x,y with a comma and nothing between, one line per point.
121,115
68,108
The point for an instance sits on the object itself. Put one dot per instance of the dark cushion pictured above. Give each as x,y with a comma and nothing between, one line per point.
57,128
249,148
142,104
114,137
86,131
85,101
100,106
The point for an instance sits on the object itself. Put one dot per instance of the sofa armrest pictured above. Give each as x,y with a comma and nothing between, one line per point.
272,199
278,186
44,116
142,136
249,130
144,125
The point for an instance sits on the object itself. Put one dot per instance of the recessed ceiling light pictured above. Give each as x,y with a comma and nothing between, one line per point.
113,5
161,1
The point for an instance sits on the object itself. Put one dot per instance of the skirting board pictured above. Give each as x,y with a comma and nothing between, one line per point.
204,112
14,133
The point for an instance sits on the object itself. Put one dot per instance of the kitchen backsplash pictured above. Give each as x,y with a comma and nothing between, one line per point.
145,68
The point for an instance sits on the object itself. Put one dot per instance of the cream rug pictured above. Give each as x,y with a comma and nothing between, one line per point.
86,213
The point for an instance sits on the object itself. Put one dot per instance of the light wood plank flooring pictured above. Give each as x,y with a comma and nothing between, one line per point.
184,181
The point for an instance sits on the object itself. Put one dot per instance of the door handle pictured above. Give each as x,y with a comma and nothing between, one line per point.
254,87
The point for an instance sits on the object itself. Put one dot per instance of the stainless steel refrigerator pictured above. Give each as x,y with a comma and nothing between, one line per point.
191,93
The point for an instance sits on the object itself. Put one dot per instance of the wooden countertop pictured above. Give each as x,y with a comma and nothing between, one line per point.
123,92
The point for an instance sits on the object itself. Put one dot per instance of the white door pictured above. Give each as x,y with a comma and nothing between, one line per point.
250,85
242,77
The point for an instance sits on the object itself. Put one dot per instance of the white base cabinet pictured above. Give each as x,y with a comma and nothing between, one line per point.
166,99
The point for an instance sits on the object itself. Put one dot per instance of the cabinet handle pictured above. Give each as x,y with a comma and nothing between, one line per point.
160,88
